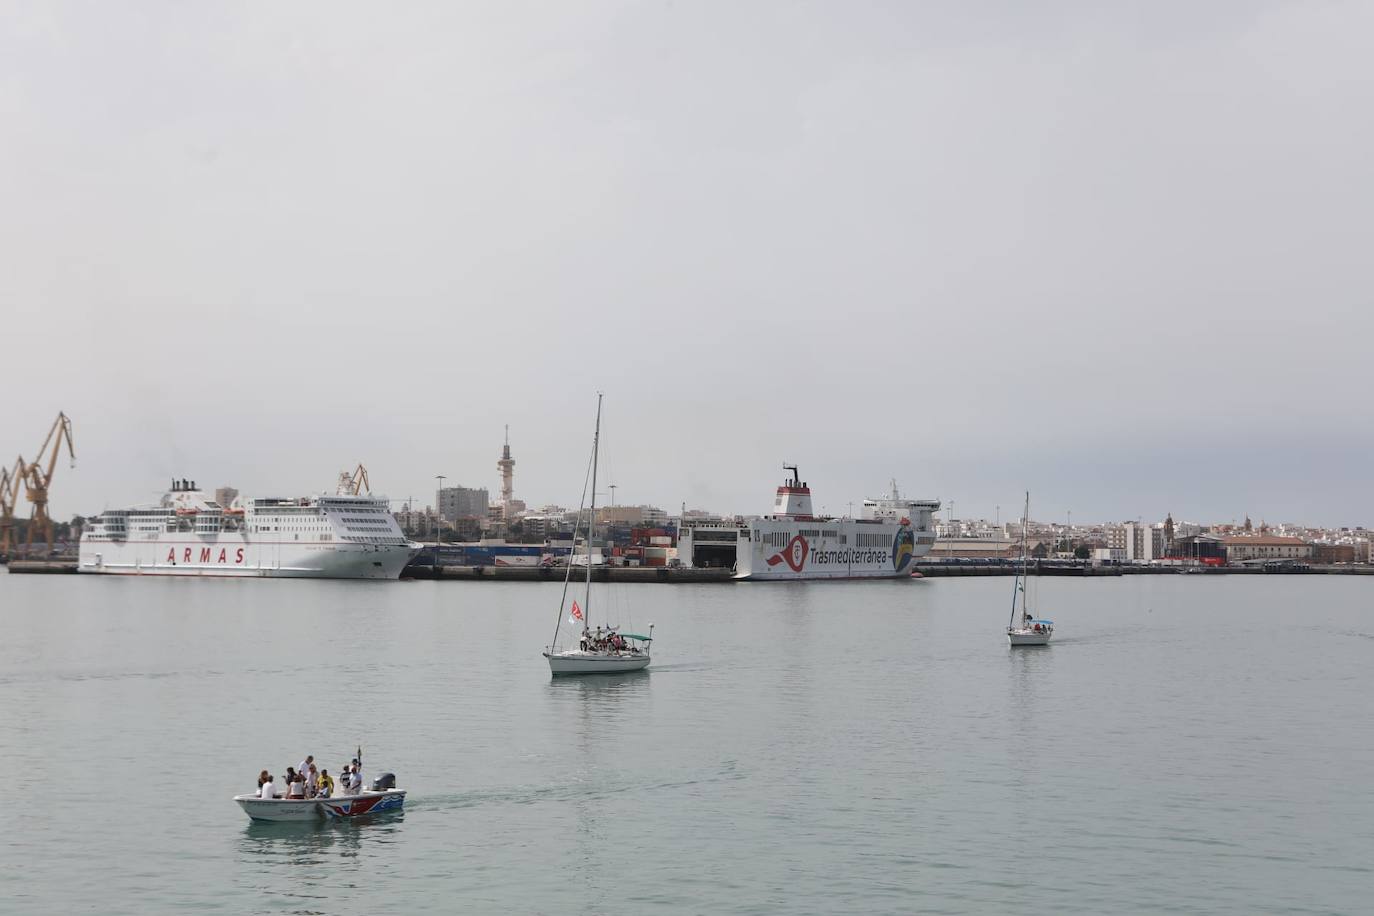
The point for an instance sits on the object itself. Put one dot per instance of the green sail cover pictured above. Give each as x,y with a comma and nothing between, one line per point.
637,636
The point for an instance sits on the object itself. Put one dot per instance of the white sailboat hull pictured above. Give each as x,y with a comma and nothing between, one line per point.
578,662
1028,638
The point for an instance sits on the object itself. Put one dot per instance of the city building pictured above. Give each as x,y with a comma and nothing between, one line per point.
462,502
974,548
634,516
1140,543
1200,548
1333,553
1243,548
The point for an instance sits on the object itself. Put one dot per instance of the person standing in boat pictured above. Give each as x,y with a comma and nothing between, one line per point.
355,778
312,781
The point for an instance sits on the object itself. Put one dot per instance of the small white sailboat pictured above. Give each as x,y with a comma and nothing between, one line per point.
603,650
1033,631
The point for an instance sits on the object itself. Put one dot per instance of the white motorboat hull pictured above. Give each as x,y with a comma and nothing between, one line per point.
1028,638
278,809
299,810
578,662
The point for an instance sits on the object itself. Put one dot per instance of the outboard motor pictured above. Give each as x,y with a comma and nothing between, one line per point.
383,782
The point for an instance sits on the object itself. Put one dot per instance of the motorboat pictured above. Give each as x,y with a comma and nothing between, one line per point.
313,809
381,798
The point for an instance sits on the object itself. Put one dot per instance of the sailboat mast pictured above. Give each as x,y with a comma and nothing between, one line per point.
1025,573
591,520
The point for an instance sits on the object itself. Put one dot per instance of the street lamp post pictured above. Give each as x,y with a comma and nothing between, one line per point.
438,511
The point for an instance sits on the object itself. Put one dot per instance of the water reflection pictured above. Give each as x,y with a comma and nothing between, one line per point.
299,846
1028,669
601,687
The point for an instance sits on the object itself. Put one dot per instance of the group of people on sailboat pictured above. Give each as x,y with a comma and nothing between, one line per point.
308,781
610,642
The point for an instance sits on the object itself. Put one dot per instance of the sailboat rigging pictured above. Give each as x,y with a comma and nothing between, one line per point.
1032,631
605,650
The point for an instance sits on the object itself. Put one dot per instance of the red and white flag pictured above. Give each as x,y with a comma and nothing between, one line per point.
576,613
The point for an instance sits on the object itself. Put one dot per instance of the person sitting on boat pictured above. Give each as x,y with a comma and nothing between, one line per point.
295,786
268,789
326,786
263,777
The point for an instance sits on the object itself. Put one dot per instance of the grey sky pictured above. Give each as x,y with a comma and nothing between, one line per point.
1114,253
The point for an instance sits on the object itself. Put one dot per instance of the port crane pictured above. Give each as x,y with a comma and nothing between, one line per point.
354,484
38,479
9,495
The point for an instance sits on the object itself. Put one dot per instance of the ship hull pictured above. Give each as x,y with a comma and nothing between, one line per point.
782,550
238,557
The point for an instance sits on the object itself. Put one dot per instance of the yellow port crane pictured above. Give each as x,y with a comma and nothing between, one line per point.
357,482
9,495
38,480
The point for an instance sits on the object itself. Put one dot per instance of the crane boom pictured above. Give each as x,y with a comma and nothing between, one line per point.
9,495
360,481
353,484
38,479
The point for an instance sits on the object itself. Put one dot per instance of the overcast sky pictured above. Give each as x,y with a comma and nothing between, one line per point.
1118,254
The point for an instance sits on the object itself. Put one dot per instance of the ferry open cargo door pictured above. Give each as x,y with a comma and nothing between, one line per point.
713,548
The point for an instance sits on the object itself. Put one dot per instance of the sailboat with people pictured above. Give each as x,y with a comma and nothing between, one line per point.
604,650
1033,631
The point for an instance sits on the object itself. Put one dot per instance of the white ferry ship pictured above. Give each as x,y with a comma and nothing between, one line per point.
793,543
343,536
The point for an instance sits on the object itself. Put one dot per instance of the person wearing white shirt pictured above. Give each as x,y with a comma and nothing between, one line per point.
268,789
355,777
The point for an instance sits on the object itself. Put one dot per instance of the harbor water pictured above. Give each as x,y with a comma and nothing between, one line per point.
1188,743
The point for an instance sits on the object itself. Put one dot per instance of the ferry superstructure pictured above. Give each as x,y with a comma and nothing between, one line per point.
793,543
340,536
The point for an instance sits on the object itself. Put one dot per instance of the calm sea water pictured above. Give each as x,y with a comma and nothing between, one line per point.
1189,743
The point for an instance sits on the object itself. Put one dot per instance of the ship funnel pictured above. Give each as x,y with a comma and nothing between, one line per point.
794,496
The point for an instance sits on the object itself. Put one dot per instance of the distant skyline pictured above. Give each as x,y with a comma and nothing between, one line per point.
1114,255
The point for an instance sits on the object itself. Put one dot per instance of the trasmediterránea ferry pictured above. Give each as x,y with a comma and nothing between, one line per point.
793,543
343,536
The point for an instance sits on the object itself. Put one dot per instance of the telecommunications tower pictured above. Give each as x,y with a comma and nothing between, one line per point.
507,468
